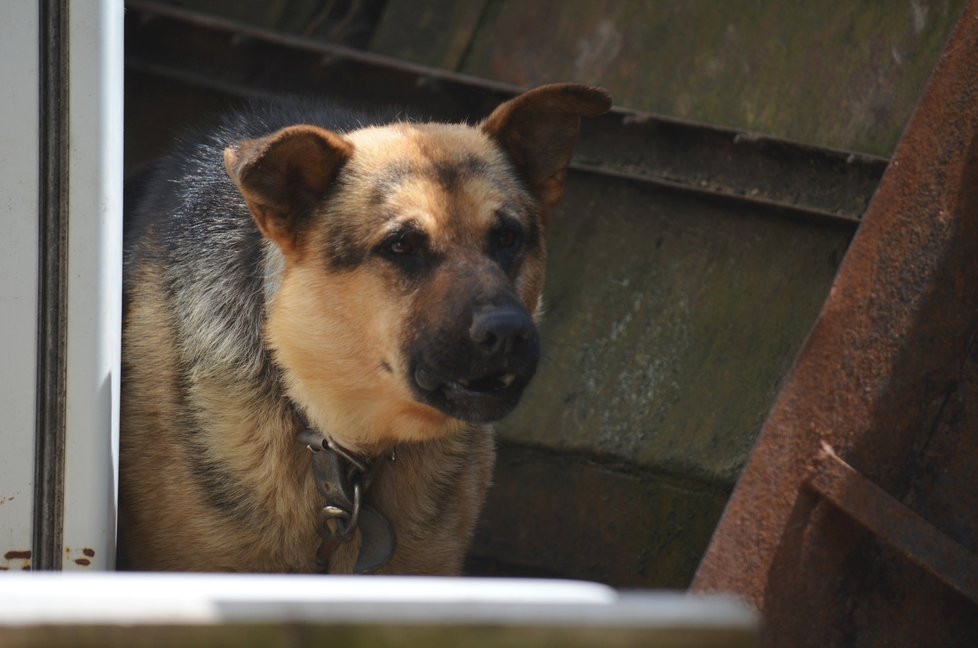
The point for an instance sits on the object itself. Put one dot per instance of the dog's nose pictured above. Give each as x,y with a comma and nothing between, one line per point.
500,331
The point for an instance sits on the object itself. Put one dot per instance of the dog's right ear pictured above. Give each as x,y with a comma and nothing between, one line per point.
538,130
284,176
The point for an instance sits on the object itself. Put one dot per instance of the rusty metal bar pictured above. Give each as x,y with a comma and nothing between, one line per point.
673,154
894,523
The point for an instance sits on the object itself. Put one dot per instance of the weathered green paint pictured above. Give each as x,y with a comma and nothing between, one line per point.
841,75
566,515
669,323
435,32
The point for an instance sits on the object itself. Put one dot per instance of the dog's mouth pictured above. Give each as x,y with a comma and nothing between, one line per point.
479,398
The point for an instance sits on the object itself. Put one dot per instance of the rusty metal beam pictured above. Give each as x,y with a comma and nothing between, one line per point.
894,523
894,345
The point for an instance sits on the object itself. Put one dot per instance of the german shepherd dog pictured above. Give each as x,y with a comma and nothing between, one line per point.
303,270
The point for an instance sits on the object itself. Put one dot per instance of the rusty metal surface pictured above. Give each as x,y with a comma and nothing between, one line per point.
886,378
894,523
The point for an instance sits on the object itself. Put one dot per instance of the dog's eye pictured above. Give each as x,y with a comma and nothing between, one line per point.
506,238
404,246
400,246
505,243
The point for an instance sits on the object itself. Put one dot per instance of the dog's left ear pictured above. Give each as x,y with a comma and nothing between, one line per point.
283,177
538,130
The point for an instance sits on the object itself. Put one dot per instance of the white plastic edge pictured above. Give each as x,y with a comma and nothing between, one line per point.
94,281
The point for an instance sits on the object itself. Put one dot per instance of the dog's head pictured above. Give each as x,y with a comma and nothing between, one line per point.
413,260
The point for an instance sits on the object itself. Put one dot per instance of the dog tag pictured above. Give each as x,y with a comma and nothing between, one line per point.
376,541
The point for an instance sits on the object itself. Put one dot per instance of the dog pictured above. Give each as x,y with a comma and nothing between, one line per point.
323,313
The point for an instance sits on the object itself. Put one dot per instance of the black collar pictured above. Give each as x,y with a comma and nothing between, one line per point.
342,478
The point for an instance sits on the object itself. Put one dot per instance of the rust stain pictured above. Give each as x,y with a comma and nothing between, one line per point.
17,555
88,552
25,568
84,562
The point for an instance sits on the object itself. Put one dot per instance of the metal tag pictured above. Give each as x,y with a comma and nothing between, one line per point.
376,541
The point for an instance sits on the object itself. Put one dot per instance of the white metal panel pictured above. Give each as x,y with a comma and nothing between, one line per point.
19,178
94,281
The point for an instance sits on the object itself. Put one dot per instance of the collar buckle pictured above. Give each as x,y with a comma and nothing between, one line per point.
341,477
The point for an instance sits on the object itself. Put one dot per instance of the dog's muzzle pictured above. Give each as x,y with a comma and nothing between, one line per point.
478,375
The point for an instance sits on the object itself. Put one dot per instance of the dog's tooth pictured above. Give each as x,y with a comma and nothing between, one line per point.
507,380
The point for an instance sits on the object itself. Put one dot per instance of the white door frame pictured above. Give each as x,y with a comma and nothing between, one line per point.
19,205
61,65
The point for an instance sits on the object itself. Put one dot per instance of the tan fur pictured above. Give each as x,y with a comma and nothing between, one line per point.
337,338
170,526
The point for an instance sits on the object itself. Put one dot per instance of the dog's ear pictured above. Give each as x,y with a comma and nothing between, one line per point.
284,176
538,129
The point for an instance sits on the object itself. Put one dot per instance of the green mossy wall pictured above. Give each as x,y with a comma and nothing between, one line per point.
843,75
